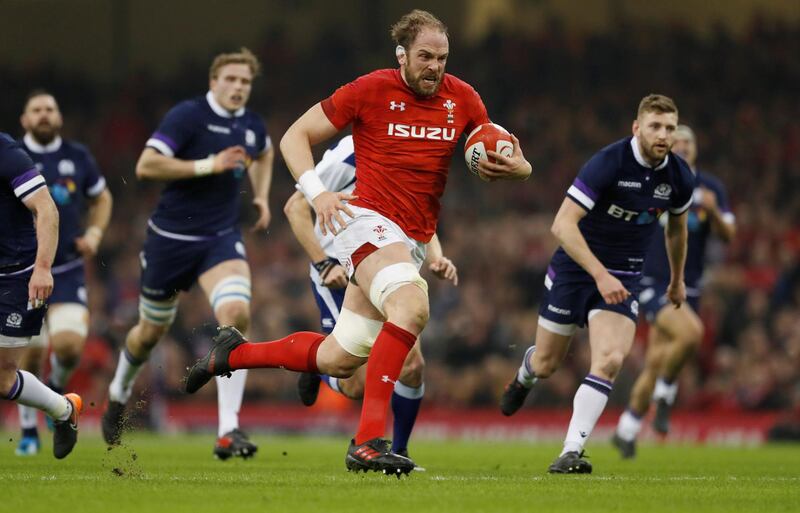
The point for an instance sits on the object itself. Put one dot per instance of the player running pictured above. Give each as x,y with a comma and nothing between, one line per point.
73,178
675,334
406,123
604,227
28,240
337,172
202,149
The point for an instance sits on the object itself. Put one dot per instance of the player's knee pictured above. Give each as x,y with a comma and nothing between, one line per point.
611,362
412,315
694,333
8,377
401,294
236,314
544,365
352,388
67,347
146,335
69,357
338,368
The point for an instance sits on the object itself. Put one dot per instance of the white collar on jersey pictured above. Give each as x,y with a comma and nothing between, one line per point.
638,156
35,147
219,110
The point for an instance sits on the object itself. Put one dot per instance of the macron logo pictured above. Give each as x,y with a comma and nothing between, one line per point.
559,311
629,185
219,129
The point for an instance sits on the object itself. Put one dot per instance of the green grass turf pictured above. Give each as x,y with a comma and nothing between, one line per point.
295,474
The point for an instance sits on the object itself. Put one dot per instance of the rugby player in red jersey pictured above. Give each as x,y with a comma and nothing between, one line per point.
406,123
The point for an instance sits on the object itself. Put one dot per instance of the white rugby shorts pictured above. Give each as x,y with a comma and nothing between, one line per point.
370,227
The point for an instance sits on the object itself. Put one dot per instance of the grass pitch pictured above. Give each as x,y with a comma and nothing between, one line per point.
177,474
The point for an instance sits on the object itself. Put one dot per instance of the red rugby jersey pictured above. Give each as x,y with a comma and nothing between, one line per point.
403,143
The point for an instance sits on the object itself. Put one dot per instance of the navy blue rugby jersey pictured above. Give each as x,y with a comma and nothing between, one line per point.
18,179
72,175
624,197
192,130
699,225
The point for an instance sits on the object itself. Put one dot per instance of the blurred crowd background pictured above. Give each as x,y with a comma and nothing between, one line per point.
565,92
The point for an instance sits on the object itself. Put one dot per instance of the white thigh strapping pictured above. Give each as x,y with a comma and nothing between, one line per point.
391,278
72,317
160,313
356,333
228,289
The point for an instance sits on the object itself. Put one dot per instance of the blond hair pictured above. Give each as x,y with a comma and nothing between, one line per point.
407,28
657,103
243,56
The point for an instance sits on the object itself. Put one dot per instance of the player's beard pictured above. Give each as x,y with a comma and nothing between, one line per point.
417,83
653,153
44,133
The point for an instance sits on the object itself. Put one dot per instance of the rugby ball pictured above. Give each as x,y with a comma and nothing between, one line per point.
485,137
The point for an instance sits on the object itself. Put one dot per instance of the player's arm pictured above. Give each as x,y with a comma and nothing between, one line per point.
440,265
676,235
260,173
312,128
153,165
723,224
45,213
565,228
298,212
97,218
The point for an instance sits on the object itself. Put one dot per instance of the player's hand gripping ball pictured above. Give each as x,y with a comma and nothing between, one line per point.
486,137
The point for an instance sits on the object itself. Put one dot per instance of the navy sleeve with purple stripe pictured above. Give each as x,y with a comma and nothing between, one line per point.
685,180
94,182
18,169
592,180
19,179
175,130
714,184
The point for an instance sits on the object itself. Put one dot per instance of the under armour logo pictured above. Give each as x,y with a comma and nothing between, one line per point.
401,106
387,379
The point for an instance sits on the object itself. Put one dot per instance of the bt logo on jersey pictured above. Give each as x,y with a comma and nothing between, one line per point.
431,133
621,213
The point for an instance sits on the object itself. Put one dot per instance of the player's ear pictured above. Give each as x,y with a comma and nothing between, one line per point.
400,52
635,127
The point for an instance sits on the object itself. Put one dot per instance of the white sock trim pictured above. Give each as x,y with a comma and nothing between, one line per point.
666,391
409,392
629,426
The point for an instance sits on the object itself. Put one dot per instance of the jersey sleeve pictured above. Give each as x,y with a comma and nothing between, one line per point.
94,183
175,130
477,111
682,197
17,168
263,140
722,201
342,106
337,169
594,177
